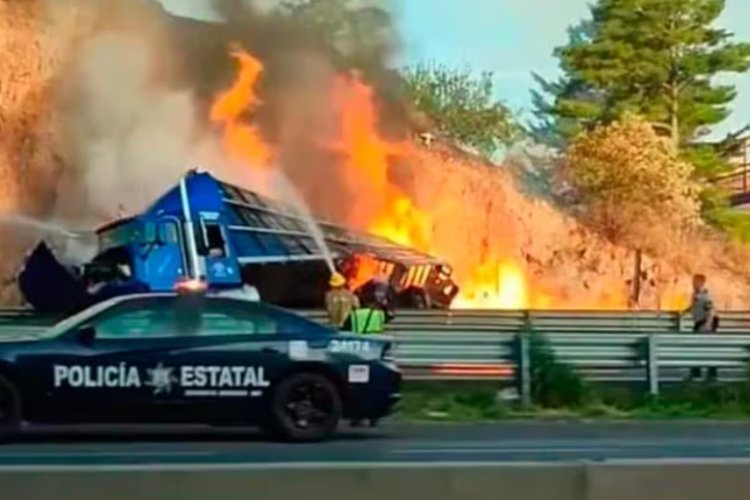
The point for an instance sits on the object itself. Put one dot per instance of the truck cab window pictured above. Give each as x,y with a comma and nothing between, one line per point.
215,243
169,233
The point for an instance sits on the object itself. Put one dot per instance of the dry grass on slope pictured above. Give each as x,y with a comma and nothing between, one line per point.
484,215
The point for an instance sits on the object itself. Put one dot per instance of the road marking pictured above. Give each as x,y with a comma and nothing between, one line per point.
571,443
112,454
209,467
420,451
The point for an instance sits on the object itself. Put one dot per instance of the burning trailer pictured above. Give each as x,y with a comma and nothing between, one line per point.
226,237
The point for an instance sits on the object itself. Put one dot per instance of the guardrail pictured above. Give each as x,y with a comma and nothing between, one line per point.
557,321
495,320
645,347
648,347
652,359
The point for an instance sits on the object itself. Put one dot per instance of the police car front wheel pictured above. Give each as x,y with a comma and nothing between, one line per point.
10,409
306,407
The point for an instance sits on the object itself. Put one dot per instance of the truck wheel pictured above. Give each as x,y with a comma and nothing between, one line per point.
305,407
10,409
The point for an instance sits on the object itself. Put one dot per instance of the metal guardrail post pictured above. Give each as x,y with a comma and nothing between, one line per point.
652,364
677,321
524,361
524,367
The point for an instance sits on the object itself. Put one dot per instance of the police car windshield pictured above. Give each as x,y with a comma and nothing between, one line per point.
282,321
80,317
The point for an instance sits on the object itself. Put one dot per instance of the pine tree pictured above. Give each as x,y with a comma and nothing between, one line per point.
568,105
655,58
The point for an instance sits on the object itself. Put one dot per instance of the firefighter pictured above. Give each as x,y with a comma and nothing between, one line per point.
340,302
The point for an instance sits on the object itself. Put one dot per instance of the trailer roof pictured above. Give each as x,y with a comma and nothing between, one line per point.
264,228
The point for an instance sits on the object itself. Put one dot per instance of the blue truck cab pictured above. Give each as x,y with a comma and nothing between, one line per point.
155,246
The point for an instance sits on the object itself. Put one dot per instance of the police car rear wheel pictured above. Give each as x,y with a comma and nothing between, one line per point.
306,407
10,414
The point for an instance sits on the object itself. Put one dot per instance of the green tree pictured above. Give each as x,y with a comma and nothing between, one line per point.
656,58
565,107
461,105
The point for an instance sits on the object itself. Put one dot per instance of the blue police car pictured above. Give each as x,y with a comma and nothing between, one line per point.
171,358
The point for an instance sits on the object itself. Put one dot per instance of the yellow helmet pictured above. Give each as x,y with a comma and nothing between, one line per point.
337,280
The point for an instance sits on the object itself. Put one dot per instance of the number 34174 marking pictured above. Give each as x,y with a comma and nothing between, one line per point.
352,346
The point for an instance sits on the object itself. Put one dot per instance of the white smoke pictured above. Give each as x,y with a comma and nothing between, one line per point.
130,137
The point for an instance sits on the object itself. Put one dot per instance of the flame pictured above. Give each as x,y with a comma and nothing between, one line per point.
360,270
386,210
391,213
675,301
243,142
380,205
404,223
494,285
382,208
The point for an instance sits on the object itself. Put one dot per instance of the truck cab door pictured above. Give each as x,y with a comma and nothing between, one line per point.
162,259
221,266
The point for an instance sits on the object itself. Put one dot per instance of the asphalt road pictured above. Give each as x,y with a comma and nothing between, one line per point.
394,443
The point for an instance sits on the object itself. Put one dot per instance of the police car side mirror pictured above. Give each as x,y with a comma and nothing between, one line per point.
86,334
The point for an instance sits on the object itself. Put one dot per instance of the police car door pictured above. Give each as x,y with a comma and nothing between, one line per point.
122,371
240,354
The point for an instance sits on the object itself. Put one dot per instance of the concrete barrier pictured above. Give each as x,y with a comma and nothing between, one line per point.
582,481
695,480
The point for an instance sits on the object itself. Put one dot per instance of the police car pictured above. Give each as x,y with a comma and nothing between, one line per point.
169,358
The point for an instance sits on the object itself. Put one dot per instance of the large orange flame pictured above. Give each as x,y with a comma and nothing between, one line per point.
243,142
495,285
380,205
500,284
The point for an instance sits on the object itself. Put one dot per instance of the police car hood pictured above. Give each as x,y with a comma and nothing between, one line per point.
7,337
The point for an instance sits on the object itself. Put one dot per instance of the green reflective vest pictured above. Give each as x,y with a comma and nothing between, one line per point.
366,320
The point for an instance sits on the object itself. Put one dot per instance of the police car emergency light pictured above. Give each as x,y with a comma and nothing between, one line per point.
191,286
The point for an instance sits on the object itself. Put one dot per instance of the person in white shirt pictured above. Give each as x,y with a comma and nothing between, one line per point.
704,317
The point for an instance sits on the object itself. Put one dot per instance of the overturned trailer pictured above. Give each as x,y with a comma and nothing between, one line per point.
228,237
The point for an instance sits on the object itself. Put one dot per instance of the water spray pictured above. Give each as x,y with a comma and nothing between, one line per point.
39,225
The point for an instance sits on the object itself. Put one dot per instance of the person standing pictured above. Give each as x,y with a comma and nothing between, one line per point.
377,308
704,317
383,298
701,307
340,301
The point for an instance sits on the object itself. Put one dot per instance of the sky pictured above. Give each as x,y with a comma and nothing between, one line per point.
511,38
